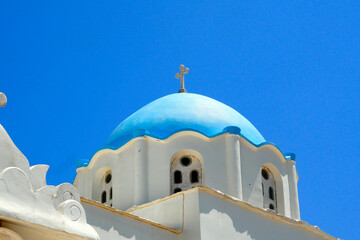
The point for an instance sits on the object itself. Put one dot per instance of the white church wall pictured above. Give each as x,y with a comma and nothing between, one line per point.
293,190
191,229
253,159
168,211
121,164
233,164
116,225
209,214
224,218
141,170
179,211
157,161
210,152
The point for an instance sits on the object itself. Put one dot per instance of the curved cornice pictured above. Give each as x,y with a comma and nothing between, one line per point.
227,130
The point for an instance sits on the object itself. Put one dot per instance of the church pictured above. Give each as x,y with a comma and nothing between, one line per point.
184,166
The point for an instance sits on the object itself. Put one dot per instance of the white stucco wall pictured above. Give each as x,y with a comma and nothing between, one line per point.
222,219
114,226
200,213
141,170
253,159
27,201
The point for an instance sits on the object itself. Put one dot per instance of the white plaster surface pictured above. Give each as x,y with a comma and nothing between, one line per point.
168,212
207,214
220,217
219,226
114,226
25,195
142,170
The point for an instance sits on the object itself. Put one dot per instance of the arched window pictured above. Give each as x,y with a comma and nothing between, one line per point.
268,189
186,173
177,177
106,188
194,176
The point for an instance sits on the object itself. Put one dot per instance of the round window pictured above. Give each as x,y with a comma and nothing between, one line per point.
185,161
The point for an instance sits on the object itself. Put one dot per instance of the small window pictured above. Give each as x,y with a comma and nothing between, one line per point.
271,193
185,173
194,176
177,177
185,161
103,197
105,190
108,178
268,189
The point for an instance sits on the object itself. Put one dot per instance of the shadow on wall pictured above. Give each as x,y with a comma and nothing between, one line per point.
228,221
220,226
116,226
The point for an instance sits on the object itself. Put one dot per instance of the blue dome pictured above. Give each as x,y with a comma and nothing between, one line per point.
180,112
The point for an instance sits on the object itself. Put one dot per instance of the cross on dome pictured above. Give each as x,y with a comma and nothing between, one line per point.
183,71
3,99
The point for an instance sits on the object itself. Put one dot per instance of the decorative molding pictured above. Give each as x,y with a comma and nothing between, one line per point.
24,194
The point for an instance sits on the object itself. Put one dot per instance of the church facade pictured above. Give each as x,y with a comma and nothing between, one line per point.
185,166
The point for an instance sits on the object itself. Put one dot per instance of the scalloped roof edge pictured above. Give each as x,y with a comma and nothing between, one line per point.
143,132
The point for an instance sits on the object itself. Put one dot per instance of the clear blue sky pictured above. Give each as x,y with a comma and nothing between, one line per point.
73,70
